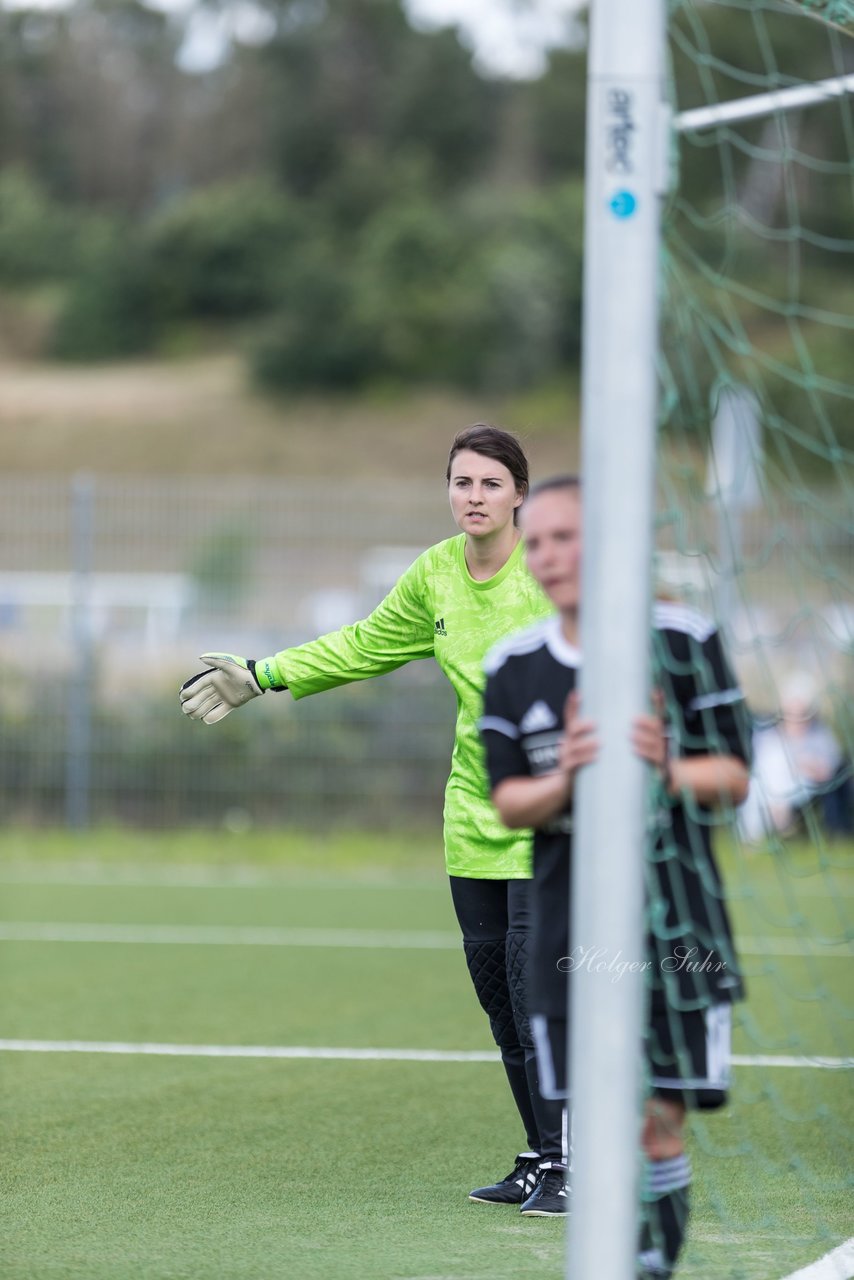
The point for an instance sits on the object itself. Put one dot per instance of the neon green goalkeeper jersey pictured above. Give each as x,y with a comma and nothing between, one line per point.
437,610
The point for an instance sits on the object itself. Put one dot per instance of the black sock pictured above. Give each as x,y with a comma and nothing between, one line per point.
666,1185
517,1078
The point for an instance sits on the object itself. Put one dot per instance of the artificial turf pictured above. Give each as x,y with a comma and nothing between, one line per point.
155,1167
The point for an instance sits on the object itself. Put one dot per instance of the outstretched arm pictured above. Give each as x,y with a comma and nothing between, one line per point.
398,631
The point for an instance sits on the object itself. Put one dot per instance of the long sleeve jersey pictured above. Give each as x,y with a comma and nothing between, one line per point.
438,610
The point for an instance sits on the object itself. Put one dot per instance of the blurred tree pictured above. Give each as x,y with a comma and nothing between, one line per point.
92,92
354,183
29,135
557,104
111,308
38,239
319,336
224,252
346,73
482,292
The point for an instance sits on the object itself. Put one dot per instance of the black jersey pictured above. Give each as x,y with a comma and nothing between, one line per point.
692,960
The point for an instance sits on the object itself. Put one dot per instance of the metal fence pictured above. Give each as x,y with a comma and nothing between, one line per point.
110,587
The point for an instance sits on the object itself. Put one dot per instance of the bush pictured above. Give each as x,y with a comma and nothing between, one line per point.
226,251
523,282
37,239
111,307
319,336
484,294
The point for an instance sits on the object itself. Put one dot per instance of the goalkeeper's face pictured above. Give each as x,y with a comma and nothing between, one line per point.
551,526
482,493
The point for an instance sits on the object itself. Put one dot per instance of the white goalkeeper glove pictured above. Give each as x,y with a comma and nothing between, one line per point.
211,695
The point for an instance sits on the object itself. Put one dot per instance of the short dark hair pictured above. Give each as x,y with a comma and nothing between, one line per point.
569,483
492,442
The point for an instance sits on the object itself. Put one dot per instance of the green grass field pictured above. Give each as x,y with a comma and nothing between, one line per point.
152,1165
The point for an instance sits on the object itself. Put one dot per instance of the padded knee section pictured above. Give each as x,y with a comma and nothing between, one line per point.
517,982
487,962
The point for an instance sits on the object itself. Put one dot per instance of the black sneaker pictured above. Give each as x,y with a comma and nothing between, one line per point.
549,1197
516,1187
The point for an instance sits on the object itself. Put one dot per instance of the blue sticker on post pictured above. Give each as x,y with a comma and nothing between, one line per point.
622,204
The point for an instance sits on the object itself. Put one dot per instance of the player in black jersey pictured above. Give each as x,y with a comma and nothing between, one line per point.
696,741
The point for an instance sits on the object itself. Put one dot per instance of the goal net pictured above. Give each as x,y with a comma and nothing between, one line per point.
754,529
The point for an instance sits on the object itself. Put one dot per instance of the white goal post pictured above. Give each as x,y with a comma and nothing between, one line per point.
625,178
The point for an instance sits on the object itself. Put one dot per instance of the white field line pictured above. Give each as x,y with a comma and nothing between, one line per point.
334,1054
249,1051
783,1060
132,876
276,936
836,1265
229,935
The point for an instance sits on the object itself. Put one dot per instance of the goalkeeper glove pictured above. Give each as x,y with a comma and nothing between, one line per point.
211,695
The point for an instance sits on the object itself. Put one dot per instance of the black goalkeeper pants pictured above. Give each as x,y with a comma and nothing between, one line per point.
495,920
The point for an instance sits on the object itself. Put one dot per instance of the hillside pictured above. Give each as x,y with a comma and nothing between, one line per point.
199,416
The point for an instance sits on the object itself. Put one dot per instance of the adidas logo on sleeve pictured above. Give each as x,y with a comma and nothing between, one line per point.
537,718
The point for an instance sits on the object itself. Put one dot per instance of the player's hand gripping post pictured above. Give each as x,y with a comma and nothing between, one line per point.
580,745
229,682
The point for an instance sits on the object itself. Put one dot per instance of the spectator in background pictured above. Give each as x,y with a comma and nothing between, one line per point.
796,761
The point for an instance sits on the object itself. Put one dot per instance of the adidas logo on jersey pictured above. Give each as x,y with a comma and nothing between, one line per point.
538,716
440,627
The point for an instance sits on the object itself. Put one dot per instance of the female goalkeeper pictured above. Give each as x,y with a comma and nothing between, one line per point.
452,604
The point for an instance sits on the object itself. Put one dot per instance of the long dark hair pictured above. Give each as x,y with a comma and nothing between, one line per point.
492,442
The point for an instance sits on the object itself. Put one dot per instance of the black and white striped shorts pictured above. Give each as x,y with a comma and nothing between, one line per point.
688,1055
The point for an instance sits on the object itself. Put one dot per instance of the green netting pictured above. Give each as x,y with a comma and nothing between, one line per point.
758,314
835,12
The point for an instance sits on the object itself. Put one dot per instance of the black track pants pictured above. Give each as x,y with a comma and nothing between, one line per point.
494,917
